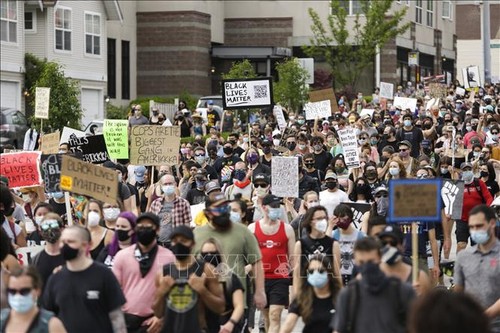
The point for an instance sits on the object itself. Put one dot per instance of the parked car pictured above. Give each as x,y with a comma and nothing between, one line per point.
13,127
201,106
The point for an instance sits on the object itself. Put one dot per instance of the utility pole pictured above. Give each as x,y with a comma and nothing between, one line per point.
486,41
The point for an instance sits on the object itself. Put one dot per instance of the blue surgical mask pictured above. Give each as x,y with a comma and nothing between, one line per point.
200,159
407,123
235,217
317,279
20,303
274,213
467,176
168,189
480,236
57,195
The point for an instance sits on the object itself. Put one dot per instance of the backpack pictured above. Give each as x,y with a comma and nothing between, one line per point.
42,321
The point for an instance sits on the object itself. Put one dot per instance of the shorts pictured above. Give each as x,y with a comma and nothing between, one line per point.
277,291
462,231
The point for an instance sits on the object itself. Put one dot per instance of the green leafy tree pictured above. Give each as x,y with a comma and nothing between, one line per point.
291,89
240,70
64,107
355,47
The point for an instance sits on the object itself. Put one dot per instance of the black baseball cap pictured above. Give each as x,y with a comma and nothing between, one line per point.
184,231
393,232
261,178
271,199
149,216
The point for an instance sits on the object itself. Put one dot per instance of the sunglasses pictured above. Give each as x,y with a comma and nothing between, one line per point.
390,242
220,209
402,149
494,133
363,138
422,176
49,225
199,154
260,185
320,270
22,291
380,195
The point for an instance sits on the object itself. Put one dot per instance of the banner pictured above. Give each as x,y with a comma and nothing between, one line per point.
22,169
154,145
247,93
51,172
319,110
285,176
67,132
405,103
42,100
350,146
453,199
386,90
50,143
87,179
358,209
324,94
91,149
280,118
116,137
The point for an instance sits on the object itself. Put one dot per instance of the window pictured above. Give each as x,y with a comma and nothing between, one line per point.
125,69
446,9
430,12
92,34
8,9
352,7
418,11
112,68
30,21
62,25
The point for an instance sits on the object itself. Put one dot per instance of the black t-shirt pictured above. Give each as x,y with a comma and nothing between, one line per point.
58,208
83,300
195,196
322,160
423,237
414,136
214,321
212,118
45,265
320,317
492,186
133,191
212,174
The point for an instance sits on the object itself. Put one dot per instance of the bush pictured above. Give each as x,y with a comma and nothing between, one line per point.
191,139
116,112
184,96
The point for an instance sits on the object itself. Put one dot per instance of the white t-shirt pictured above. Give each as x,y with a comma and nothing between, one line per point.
330,200
8,230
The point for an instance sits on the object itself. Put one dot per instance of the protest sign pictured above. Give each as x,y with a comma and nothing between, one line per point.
350,146
460,91
247,93
154,145
51,172
358,209
87,179
453,199
116,137
27,253
50,143
406,103
91,149
280,118
67,132
438,90
365,112
285,176
386,90
324,94
42,100
320,110
471,77
22,169
431,103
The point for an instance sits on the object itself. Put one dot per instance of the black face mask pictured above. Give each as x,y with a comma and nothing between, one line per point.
331,185
371,174
373,277
309,165
291,145
228,150
51,235
427,151
181,251
146,236
122,235
68,253
9,211
212,258
266,150
484,174
362,189
222,221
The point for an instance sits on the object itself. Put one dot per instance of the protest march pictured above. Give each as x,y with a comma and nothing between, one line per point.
346,216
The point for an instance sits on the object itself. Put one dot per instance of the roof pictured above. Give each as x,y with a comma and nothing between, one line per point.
113,10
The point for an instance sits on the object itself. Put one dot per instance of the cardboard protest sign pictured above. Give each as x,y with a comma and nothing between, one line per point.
460,91
324,94
51,172
280,118
471,77
407,200
50,143
67,132
154,145
285,176
27,253
438,90
358,209
386,90
42,100
88,179
350,146
320,110
453,199
405,103
22,169
247,93
116,137
92,148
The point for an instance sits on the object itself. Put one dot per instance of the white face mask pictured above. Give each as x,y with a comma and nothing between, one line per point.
312,204
394,171
93,219
111,214
260,192
321,225
38,219
276,142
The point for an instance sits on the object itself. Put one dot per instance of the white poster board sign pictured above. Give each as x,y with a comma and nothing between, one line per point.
460,91
320,109
350,146
285,176
386,90
42,100
365,112
471,77
431,103
249,93
405,103
66,133
280,118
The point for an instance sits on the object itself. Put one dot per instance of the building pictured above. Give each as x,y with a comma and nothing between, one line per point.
469,37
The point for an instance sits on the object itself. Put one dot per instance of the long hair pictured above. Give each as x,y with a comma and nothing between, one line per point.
308,216
114,246
223,271
86,212
305,295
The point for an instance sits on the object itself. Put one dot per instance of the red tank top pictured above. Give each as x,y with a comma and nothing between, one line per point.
274,249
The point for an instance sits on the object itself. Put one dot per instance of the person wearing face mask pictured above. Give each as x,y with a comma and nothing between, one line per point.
474,272
185,287
98,296
24,315
58,204
138,118
153,119
306,182
382,303
172,210
196,195
276,241
315,299
310,170
34,196
315,240
388,139
345,234
262,187
33,229
310,200
475,193
242,183
268,153
16,234
225,165
332,196
136,266
110,213
411,134
410,163
200,157
395,169
473,134
101,236
253,159
321,157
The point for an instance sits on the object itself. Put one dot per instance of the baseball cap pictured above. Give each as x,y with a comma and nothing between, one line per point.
465,165
459,101
139,172
330,175
211,186
405,143
393,232
261,178
184,231
109,165
380,189
215,199
149,216
201,173
271,199
325,122
210,102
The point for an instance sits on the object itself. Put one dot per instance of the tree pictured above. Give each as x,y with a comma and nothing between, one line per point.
291,89
64,107
240,70
356,47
